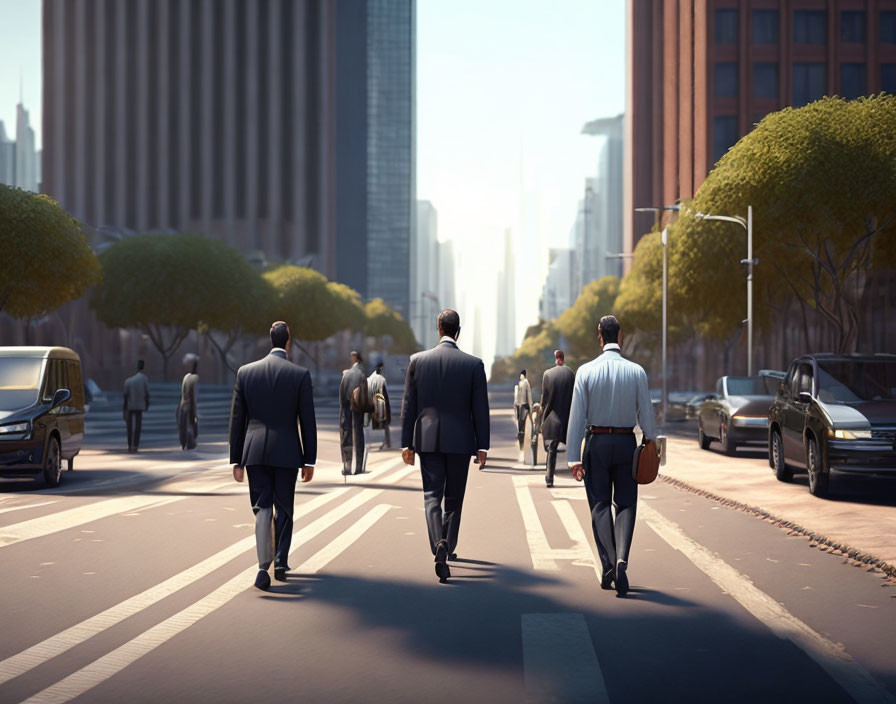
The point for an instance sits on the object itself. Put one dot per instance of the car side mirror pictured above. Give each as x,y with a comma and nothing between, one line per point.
60,397
804,397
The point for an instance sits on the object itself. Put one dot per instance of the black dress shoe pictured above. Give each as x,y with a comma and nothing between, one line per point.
263,580
606,580
452,557
280,573
443,572
621,579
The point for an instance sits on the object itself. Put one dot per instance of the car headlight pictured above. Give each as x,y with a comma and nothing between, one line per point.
849,434
13,428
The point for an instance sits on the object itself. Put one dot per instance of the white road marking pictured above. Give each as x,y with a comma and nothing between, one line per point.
559,662
325,555
539,548
55,645
111,664
19,508
570,494
582,553
833,658
73,517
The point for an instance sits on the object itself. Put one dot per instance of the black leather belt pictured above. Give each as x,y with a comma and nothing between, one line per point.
607,430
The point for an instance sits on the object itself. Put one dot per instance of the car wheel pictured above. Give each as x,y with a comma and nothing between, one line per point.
782,471
701,436
52,464
819,480
728,447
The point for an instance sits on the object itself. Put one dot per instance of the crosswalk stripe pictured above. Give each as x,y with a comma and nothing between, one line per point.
833,658
114,662
73,517
559,662
582,554
20,508
539,548
55,645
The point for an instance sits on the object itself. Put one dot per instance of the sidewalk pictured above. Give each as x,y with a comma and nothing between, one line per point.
858,520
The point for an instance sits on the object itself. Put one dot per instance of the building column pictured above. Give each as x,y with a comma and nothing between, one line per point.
299,236
100,216
139,170
252,239
76,202
163,101
229,117
207,60
274,224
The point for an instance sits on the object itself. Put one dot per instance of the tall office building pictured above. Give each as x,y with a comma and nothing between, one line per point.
248,120
425,274
7,158
19,160
701,73
557,292
605,220
447,295
506,295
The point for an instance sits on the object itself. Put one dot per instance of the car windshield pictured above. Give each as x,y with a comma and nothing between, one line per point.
752,386
854,381
19,382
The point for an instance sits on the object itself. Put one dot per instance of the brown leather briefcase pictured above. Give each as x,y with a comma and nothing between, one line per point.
646,464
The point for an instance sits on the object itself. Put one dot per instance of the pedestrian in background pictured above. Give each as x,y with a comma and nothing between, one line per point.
609,399
556,398
187,410
134,403
522,404
272,401
382,408
351,418
445,420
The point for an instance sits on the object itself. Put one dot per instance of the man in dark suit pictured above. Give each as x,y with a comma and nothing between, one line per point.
445,420
351,420
271,402
557,386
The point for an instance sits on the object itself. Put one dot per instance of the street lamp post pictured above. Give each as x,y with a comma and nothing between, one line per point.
664,238
747,224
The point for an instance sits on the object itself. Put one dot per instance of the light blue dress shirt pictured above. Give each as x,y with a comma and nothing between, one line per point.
610,391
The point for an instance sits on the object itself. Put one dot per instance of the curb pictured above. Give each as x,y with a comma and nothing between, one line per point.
834,548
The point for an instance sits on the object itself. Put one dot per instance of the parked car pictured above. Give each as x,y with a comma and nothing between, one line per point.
693,404
737,413
41,411
834,412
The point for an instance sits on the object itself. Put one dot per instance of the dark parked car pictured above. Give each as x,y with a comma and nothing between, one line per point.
737,413
693,404
834,412
41,411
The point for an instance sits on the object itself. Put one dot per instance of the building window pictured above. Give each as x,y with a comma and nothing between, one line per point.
724,134
852,27
725,80
808,83
852,80
809,27
765,80
888,27
726,26
765,26
888,78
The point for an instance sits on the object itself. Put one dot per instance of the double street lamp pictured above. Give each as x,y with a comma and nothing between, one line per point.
747,224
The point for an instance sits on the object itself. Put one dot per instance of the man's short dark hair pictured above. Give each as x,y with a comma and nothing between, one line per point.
558,354
357,355
140,365
609,329
449,322
522,372
279,334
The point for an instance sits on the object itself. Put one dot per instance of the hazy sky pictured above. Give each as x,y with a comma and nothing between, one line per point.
20,55
496,80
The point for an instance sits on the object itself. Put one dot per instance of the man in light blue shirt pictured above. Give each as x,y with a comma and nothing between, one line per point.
609,399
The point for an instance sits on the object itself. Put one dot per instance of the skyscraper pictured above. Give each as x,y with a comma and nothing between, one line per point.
19,161
250,121
506,299
7,158
605,204
700,74
425,274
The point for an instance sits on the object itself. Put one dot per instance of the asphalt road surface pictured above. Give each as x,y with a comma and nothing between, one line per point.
133,582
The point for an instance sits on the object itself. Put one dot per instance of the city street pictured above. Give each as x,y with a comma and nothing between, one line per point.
133,582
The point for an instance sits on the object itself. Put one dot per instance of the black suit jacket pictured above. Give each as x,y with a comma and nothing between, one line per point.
445,405
556,399
271,400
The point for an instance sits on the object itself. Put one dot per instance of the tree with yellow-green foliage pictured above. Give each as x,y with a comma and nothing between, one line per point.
578,324
44,258
383,321
822,183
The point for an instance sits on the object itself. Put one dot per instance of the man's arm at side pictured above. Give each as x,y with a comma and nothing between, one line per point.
307,421
576,430
238,415
646,418
146,393
545,394
481,421
409,406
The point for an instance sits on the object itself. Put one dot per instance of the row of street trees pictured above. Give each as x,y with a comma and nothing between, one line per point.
166,285
822,183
